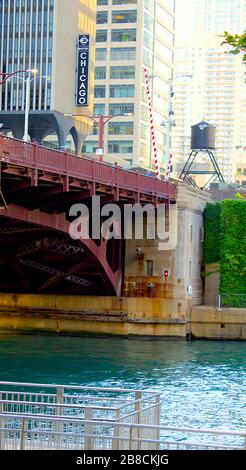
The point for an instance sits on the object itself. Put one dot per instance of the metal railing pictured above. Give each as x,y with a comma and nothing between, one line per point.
35,432
39,158
106,405
231,300
49,417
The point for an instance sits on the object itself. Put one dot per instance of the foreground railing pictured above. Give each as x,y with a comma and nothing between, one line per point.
84,402
58,417
35,432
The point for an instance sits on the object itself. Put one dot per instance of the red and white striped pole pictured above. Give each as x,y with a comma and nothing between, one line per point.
157,167
169,167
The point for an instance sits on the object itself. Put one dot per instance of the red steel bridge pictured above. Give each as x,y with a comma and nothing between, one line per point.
38,187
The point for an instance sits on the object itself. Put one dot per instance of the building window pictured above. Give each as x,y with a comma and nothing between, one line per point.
89,147
122,91
122,72
148,22
124,35
100,73
149,268
101,54
124,2
127,108
102,2
127,16
99,109
102,35
123,53
102,17
120,146
99,91
120,128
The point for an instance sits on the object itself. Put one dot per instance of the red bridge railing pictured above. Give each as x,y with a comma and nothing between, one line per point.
30,155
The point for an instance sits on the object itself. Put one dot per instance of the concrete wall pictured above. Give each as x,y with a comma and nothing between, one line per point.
184,261
103,315
211,323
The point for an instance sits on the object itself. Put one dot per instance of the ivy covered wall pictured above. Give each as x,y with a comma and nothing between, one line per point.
225,243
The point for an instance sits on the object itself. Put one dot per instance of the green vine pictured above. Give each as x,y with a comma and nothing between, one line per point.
212,233
225,243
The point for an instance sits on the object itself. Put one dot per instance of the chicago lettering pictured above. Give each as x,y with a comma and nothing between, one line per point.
83,66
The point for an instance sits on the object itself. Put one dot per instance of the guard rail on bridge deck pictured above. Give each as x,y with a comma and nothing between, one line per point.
58,417
42,159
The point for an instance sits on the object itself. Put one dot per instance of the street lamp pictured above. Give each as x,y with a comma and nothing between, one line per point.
6,76
28,81
169,122
101,121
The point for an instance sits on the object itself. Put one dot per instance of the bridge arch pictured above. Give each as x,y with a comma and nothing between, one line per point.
57,224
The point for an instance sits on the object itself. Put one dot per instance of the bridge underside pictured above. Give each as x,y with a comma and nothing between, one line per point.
37,189
36,260
36,251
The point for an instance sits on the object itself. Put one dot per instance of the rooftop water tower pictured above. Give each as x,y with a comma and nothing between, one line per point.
202,141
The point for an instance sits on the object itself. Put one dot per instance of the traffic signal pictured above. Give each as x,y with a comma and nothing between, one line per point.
165,273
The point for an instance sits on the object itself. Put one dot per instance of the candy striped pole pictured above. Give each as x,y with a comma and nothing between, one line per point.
169,167
157,167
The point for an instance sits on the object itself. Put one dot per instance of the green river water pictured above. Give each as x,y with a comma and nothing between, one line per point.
203,382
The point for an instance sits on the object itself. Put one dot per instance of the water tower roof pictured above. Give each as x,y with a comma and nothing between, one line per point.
203,125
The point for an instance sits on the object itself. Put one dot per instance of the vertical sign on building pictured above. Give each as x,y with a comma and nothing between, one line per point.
83,70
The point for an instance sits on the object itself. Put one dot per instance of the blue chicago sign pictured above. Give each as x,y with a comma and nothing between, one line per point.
83,70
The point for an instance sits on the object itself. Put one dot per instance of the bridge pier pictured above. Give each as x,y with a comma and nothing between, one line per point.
158,272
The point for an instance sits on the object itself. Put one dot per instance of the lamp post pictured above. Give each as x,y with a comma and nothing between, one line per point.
169,122
6,76
28,81
101,121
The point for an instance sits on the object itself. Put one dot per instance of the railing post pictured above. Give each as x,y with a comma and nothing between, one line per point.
1,425
116,442
219,302
66,183
156,187
93,184
88,429
157,419
23,432
59,426
138,188
136,434
131,438
35,157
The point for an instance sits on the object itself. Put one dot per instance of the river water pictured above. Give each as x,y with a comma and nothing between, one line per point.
203,382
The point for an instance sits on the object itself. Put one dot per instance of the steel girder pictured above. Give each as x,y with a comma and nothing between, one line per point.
56,245
44,268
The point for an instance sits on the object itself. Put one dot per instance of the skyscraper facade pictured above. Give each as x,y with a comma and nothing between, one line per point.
216,92
132,35
42,35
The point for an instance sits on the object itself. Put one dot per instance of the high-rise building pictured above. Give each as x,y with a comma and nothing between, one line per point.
43,35
216,92
132,35
240,166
